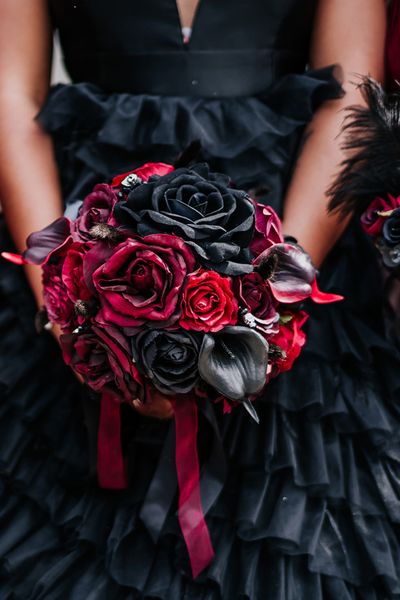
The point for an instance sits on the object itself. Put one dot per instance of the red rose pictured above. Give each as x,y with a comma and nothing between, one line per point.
58,305
141,281
104,360
290,338
371,222
255,295
144,172
97,207
72,272
268,229
208,302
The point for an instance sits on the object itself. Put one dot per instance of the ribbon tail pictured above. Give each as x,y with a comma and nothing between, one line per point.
190,513
162,490
16,259
111,472
322,297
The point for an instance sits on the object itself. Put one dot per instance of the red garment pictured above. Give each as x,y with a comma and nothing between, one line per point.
393,45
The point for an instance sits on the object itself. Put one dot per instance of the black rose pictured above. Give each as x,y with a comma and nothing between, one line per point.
391,229
390,254
169,359
200,207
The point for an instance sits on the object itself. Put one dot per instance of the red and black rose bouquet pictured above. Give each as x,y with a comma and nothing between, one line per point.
171,283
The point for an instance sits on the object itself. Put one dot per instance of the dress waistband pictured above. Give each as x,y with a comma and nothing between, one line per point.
185,73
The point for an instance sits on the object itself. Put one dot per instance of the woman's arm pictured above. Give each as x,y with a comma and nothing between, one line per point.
29,187
352,34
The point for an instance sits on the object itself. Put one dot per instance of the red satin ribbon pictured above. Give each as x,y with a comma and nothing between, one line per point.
190,514
111,472
17,259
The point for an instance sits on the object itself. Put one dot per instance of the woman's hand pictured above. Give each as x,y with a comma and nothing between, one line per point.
57,333
350,33
156,408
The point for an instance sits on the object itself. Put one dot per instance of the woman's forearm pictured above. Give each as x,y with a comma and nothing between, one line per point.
29,186
352,34
305,211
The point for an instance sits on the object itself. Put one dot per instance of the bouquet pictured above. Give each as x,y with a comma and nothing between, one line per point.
381,221
170,283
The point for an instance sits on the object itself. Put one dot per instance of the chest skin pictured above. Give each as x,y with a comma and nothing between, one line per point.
125,26
187,10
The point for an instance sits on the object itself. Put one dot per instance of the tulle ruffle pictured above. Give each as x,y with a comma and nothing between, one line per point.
310,506
311,502
252,140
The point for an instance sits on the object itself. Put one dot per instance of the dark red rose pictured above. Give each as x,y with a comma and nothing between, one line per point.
72,272
256,296
58,305
144,172
97,208
208,302
268,229
371,221
290,340
104,360
141,282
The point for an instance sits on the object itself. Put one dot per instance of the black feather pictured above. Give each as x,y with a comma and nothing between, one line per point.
372,141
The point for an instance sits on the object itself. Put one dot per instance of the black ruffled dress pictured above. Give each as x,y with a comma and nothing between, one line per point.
310,506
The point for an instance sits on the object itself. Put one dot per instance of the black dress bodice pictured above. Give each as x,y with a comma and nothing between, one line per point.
238,47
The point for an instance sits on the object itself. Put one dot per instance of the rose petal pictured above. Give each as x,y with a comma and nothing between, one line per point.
371,221
268,229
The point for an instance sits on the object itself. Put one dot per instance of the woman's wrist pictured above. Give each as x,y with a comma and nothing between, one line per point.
34,276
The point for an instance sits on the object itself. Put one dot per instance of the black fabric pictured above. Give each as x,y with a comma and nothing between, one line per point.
204,73
310,508
236,48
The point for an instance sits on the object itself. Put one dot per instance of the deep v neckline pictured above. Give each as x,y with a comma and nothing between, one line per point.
194,23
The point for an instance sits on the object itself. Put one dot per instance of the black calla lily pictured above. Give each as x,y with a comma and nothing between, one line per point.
234,361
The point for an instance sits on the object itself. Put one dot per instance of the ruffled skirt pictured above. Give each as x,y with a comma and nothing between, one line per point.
310,507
